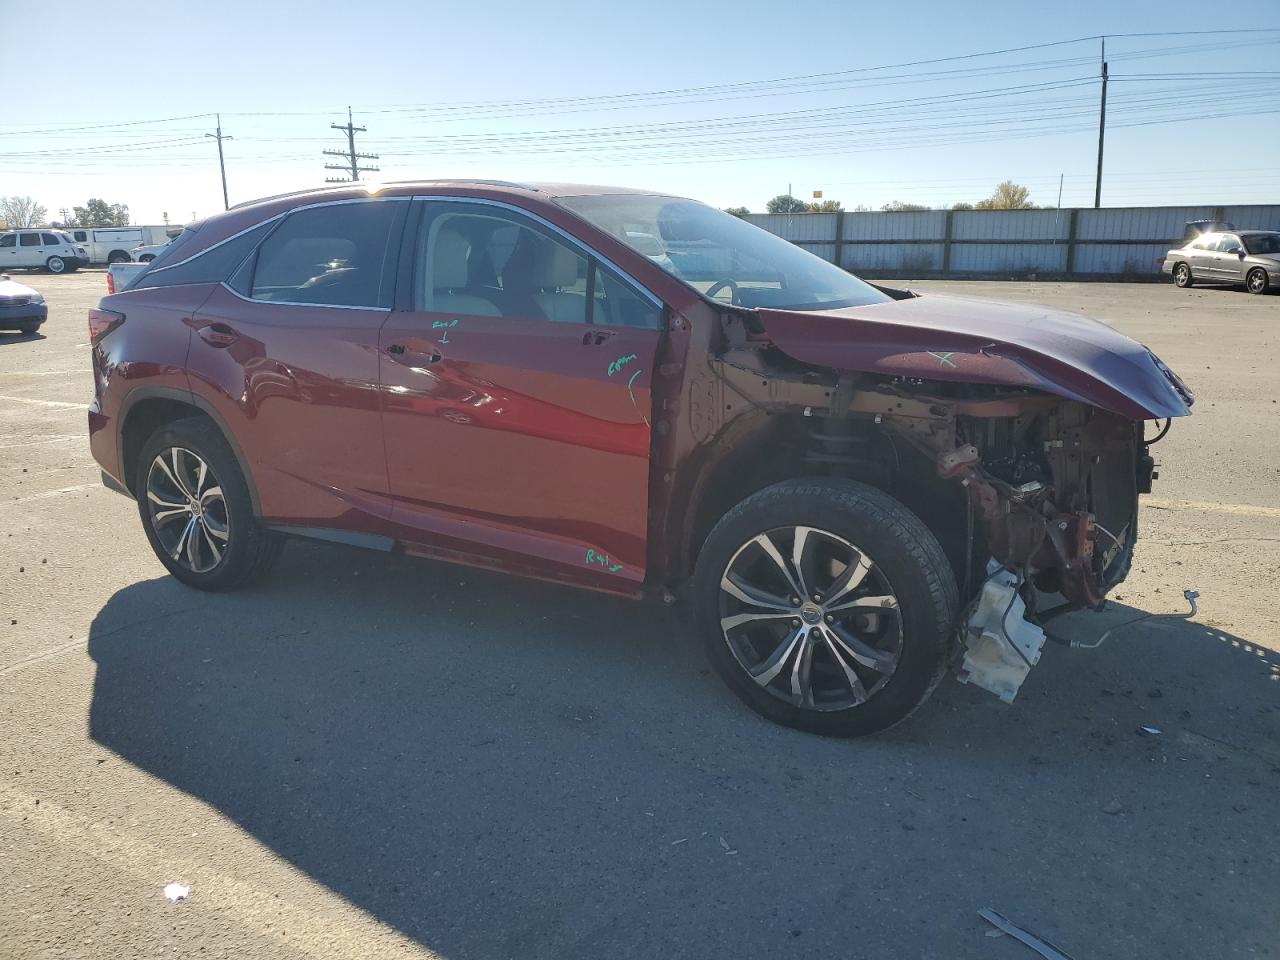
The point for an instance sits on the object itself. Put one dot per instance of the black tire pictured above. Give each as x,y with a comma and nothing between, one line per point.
56,265
1182,275
146,258
119,256
28,328
1257,281
905,556
250,549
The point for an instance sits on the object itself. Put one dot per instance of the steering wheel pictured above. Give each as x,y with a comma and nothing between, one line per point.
722,284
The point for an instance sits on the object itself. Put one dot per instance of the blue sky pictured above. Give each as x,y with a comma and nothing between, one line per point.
550,92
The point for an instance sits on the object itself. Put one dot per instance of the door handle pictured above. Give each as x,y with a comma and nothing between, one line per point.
218,335
593,338
399,350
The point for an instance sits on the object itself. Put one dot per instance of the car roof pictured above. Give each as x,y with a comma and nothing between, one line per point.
549,190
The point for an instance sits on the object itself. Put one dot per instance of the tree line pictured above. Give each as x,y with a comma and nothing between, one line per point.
1006,196
17,212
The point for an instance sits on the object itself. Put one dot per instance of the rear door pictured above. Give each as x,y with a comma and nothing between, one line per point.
1203,256
516,382
287,352
30,250
9,252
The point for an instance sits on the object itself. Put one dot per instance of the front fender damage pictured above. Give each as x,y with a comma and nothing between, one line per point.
1051,484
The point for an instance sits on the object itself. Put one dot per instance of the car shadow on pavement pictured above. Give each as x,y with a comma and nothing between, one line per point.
502,768
16,336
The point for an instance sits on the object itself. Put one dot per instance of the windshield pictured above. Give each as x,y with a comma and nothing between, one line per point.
1262,243
722,256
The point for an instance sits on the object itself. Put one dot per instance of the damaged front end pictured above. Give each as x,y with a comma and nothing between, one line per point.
1050,469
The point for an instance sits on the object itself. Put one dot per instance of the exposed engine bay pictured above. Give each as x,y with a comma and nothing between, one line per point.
1050,486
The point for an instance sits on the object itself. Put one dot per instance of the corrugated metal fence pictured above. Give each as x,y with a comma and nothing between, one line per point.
1080,243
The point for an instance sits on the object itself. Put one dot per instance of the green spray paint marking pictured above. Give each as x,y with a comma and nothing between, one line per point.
630,392
603,559
621,362
436,324
944,359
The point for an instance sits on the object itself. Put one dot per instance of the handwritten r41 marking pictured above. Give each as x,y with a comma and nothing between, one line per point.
603,559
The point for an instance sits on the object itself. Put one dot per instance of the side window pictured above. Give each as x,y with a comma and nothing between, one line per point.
619,305
334,255
211,266
1228,242
9,240
81,236
29,239
50,240
485,261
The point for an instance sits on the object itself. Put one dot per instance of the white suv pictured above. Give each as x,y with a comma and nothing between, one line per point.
51,249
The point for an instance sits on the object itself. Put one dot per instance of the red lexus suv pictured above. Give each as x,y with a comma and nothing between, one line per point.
633,393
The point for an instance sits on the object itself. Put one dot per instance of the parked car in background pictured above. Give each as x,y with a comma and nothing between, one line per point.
33,249
1249,257
148,252
21,308
1195,228
633,393
109,244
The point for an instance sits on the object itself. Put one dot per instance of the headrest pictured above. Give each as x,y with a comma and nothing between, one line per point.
449,260
555,266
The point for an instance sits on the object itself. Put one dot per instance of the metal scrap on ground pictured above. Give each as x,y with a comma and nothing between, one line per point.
1042,947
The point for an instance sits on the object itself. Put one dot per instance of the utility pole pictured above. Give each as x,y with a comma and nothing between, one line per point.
353,158
226,205
1102,128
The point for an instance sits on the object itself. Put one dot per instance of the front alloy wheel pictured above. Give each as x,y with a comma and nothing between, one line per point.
826,605
188,510
810,618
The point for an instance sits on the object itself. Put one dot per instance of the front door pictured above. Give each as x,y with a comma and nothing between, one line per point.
516,399
1229,262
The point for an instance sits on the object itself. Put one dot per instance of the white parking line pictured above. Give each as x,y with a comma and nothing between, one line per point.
45,403
44,373
64,438
1208,506
278,902
52,493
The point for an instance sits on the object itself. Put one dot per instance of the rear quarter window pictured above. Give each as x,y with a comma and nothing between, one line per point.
209,266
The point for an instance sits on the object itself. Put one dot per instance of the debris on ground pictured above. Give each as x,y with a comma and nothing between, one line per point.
1038,944
1113,807
176,891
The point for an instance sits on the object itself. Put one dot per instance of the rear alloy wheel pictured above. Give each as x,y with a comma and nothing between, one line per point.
196,509
1182,275
55,265
826,606
1256,282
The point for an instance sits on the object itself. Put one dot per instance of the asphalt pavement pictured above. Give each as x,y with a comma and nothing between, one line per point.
371,756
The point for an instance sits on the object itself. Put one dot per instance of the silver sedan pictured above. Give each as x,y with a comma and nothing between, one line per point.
1250,257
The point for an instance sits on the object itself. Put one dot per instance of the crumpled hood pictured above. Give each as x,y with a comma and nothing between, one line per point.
971,340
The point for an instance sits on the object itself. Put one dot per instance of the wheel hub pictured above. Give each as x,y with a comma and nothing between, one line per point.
810,618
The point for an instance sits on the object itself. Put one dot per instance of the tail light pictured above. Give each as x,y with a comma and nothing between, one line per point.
111,283
1160,261
102,322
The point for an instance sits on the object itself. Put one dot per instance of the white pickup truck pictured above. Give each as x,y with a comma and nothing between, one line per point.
121,274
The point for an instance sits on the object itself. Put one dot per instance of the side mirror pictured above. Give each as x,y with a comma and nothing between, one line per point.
1237,251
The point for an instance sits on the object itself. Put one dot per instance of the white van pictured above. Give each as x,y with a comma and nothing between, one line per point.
110,244
51,249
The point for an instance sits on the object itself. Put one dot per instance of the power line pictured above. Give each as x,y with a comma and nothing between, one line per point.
353,158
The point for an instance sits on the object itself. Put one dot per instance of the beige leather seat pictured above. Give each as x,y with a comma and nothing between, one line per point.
449,273
554,268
